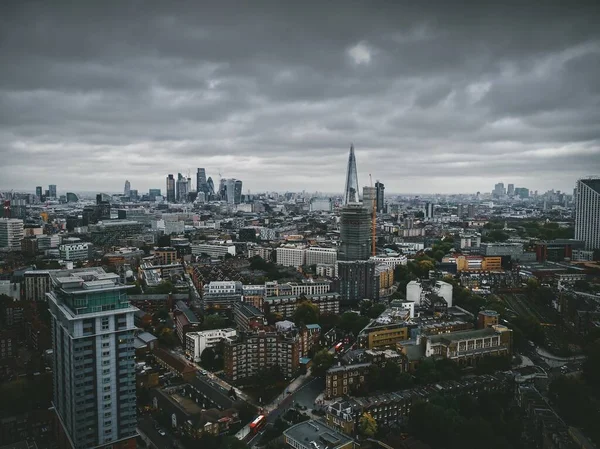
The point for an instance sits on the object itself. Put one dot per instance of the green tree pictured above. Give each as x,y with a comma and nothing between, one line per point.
207,358
306,313
213,321
367,426
375,310
591,366
321,362
353,323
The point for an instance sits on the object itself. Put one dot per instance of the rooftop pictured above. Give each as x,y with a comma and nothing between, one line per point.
324,436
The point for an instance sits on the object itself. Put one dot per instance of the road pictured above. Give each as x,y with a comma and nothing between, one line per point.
304,396
147,427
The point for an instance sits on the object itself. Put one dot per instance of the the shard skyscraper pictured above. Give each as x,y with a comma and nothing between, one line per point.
351,191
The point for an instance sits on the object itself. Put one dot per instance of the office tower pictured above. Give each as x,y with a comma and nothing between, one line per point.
460,210
127,189
499,190
170,188
511,190
223,189
355,233
153,193
201,185
181,188
237,191
351,191
380,188
52,190
93,355
38,192
211,188
369,198
428,210
11,233
587,212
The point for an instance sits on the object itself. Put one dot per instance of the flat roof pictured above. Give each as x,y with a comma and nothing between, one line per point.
464,335
320,433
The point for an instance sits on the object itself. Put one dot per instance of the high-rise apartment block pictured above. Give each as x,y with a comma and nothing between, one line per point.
587,212
93,351
11,233
249,354
355,233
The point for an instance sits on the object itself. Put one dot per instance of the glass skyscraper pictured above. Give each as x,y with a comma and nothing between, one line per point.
355,233
94,364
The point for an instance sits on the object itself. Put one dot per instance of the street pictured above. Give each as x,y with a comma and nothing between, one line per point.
147,429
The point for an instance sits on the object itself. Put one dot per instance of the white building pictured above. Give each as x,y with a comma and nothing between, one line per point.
217,251
74,251
316,255
470,240
222,287
268,234
390,261
11,233
325,270
587,213
321,205
197,342
291,256
415,290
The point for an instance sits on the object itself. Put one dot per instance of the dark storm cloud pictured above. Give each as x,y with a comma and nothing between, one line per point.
437,98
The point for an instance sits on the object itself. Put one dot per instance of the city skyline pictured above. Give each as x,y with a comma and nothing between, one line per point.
434,99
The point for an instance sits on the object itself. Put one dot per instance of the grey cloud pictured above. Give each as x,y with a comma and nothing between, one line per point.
269,92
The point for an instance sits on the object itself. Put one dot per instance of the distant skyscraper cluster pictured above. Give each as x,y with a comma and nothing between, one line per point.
180,189
500,191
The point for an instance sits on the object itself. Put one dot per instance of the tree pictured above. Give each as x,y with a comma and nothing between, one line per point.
353,323
321,362
306,313
207,358
367,426
164,240
213,321
375,310
591,366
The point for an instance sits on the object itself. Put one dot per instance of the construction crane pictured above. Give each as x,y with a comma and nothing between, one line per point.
373,220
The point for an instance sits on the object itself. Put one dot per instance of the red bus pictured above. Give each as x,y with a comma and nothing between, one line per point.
338,347
258,423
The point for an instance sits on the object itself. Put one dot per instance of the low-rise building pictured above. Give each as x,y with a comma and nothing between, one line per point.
316,435
328,303
74,251
197,342
218,251
467,347
342,380
394,408
221,295
165,255
392,326
417,291
316,255
247,317
185,320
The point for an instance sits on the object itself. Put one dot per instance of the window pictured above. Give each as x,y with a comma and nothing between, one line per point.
105,353
106,345
105,324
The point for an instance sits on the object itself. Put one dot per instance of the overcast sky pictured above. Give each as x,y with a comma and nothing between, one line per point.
436,99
